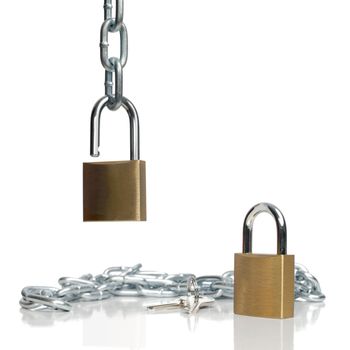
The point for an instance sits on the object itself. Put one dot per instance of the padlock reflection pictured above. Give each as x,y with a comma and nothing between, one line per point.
254,333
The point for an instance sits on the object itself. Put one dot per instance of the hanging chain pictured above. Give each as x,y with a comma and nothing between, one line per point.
113,66
131,281
114,97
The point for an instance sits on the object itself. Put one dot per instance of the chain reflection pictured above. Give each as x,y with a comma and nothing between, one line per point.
117,322
122,307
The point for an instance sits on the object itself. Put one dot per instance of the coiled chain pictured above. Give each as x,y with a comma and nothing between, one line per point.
131,281
113,66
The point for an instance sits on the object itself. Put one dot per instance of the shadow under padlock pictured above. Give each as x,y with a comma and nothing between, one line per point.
255,333
115,190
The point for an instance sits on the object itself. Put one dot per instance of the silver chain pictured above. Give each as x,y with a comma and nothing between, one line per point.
113,66
131,281
114,97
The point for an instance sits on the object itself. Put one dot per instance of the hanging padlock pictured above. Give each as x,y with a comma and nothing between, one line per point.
115,190
264,283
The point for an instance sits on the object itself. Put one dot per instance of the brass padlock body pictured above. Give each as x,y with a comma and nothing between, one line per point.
264,285
114,191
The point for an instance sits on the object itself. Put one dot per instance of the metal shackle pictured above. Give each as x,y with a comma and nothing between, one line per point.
280,224
134,127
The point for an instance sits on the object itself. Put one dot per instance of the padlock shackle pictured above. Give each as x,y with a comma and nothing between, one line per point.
280,224
134,127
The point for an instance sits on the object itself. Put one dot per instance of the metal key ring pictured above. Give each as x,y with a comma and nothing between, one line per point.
192,288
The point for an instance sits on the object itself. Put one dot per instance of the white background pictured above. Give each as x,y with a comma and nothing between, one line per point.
239,102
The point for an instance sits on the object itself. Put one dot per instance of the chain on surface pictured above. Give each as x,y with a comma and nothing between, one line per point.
113,66
131,281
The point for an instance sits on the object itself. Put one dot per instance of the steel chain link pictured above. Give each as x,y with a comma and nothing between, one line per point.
113,66
131,281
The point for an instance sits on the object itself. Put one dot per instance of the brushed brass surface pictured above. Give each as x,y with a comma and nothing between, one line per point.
114,191
264,285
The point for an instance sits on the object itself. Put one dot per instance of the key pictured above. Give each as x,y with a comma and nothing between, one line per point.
175,304
190,303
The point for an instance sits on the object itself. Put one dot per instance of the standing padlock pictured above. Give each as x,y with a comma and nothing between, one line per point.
264,283
115,190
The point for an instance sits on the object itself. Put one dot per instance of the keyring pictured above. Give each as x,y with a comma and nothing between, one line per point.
192,288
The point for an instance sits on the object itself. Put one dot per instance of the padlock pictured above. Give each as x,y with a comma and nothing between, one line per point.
264,283
114,190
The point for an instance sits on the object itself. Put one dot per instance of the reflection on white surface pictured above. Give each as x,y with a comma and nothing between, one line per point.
117,324
125,323
306,314
219,311
263,334
111,308
253,333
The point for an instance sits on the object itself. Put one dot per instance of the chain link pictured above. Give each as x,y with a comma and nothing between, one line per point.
107,61
116,96
306,286
131,281
119,13
114,65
